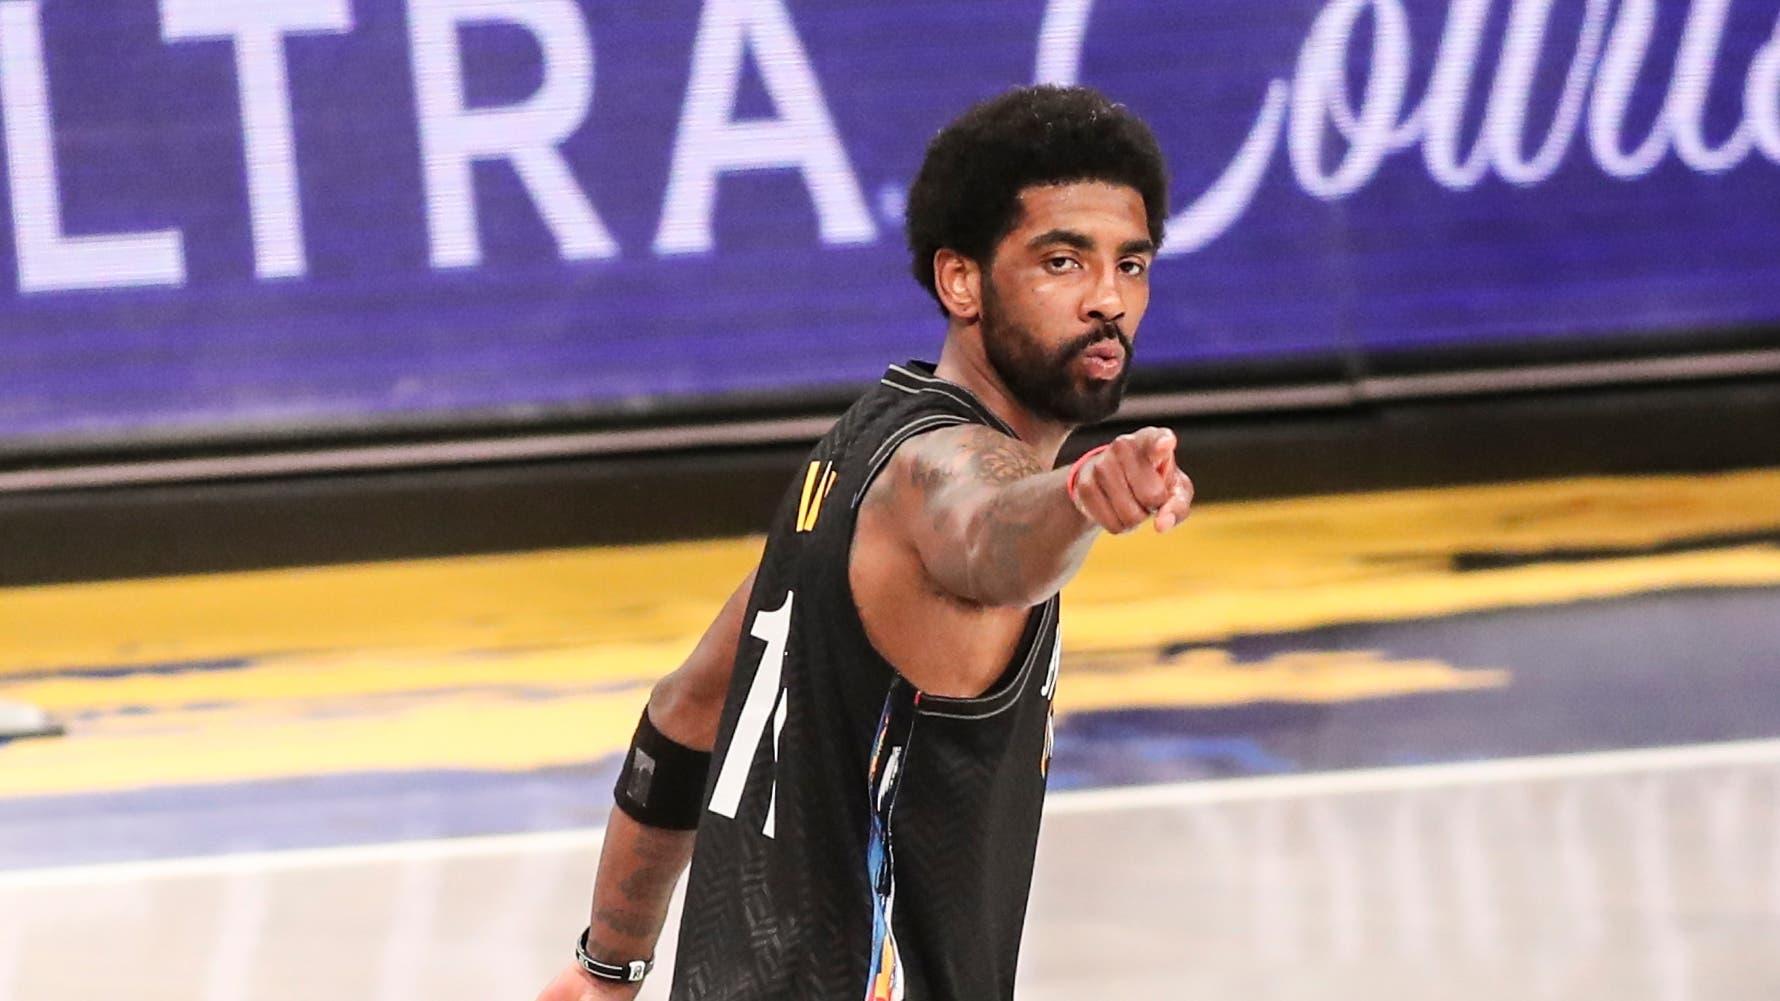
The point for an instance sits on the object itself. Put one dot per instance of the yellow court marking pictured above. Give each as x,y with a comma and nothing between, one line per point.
1209,615
1248,567
358,679
193,747
529,660
325,732
1204,677
656,593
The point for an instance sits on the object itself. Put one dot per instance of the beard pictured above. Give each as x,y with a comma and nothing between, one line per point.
1045,382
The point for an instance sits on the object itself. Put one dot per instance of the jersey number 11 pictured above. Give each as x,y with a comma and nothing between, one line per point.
766,700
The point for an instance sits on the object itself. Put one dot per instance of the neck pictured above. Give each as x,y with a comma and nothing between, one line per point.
962,361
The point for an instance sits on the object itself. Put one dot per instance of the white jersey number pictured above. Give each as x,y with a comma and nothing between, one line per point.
766,700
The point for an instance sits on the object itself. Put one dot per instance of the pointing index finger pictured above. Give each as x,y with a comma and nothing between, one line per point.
1180,501
1162,446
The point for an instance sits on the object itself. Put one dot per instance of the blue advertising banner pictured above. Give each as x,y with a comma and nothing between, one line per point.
230,216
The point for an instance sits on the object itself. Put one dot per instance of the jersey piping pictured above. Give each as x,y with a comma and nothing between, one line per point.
913,382
998,702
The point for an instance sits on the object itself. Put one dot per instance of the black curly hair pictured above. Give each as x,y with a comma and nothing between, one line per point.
966,197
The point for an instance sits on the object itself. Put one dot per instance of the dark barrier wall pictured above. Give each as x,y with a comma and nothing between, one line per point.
226,216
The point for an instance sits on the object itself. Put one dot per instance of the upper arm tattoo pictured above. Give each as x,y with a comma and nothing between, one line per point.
977,455
948,472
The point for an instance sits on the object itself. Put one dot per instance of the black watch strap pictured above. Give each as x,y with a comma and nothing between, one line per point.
632,972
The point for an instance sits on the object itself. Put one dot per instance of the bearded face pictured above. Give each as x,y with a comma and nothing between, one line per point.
1067,383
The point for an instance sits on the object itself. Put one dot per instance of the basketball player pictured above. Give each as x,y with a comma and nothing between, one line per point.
861,738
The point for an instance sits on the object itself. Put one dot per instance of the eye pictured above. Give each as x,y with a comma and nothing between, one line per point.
1061,263
1133,268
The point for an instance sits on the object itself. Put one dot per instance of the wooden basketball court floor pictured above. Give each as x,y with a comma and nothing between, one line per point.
1516,741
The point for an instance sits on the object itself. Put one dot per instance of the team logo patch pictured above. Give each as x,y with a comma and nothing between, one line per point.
816,484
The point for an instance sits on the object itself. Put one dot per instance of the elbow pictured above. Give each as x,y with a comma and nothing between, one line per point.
1012,595
998,574
687,709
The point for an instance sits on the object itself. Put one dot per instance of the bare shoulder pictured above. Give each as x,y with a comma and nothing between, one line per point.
908,566
956,459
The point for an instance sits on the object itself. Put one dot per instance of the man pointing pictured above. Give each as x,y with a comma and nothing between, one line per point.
854,756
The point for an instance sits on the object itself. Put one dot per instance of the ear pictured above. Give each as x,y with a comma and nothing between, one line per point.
959,282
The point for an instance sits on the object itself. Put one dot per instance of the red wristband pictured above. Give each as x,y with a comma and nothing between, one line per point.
1075,470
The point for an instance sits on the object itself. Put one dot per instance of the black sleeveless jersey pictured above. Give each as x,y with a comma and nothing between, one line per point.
861,839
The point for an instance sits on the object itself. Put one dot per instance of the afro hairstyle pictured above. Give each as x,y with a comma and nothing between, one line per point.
967,195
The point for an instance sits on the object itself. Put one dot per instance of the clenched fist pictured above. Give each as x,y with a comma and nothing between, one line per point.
1122,484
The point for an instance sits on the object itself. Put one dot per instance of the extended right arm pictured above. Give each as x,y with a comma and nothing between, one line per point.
994,526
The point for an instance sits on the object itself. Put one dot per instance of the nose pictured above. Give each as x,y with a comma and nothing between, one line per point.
1104,303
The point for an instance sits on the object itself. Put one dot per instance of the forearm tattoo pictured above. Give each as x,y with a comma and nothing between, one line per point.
652,867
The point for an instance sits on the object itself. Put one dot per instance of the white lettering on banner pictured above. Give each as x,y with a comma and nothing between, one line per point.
1319,88
1626,50
258,30
1060,37
1604,66
1761,98
1336,118
49,259
710,142
1443,116
1695,67
1505,121
527,135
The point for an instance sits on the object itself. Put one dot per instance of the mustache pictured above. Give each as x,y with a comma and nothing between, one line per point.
1110,331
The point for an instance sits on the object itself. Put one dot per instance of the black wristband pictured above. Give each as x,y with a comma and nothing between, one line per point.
662,783
632,972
